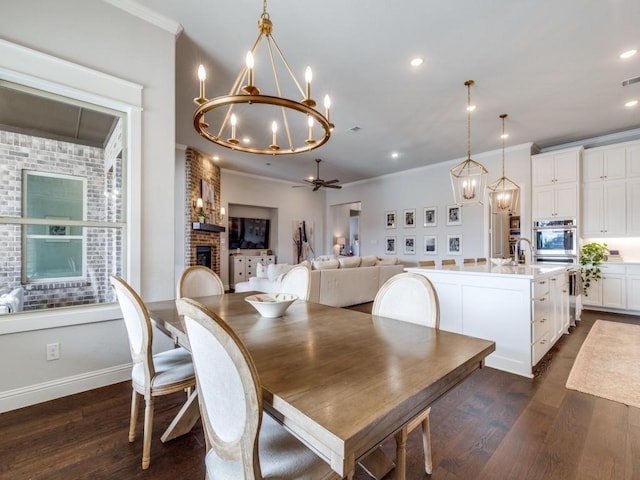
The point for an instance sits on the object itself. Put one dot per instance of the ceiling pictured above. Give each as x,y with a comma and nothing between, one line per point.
552,66
25,112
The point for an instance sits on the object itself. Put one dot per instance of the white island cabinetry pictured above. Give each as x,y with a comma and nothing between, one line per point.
523,309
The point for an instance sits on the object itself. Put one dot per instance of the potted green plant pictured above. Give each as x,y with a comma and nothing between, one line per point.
591,256
202,215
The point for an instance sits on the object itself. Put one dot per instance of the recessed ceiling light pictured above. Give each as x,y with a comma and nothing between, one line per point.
311,177
216,158
628,54
471,108
632,103
504,135
394,154
246,140
416,62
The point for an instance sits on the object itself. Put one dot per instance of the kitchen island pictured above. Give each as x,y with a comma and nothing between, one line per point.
523,308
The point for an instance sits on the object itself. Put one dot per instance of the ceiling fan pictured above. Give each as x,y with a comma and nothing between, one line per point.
318,182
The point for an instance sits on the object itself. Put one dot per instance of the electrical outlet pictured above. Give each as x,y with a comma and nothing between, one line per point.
53,351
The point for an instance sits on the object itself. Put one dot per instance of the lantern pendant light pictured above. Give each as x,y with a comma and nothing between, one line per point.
468,178
504,193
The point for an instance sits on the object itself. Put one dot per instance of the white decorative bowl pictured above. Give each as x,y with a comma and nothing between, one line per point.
500,261
271,305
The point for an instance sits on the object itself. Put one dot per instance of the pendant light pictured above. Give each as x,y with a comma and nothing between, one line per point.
468,178
505,193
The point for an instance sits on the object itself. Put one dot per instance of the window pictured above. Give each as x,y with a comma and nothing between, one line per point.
62,227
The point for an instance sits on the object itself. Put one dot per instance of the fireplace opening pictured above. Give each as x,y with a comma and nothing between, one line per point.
203,256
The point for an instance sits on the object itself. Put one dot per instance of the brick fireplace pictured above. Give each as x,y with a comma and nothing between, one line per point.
201,245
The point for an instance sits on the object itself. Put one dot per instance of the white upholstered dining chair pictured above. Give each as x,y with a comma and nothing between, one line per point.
411,298
297,281
242,442
152,375
199,281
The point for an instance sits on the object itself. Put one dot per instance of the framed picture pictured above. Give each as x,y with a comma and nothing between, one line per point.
409,218
454,244
430,245
410,245
454,215
390,219
390,245
430,217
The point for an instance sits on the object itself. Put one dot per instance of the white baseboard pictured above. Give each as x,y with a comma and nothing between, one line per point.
43,392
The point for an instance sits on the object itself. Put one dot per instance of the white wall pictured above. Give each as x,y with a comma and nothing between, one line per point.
290,203
96,35
426,187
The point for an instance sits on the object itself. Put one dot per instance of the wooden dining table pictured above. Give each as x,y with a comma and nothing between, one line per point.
342,381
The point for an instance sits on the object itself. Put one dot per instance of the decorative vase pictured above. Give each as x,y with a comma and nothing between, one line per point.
201,219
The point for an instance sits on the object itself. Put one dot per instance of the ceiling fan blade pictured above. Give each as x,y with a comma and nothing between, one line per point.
335,180
312,182
316,187
333,186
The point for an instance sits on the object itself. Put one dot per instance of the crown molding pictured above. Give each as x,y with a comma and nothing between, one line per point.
148,15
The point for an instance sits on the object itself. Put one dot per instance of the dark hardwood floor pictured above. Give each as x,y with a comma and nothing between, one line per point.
493,426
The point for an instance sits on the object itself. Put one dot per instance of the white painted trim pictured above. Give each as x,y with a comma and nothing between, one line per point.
61,387
148,15
58,317
602,140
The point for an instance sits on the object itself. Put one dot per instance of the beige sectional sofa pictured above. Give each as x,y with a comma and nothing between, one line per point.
338,282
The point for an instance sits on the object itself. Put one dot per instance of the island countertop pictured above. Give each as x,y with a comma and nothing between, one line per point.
530,271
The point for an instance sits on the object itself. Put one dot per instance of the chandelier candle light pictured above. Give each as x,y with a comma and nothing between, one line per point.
468,178
505,192
238,110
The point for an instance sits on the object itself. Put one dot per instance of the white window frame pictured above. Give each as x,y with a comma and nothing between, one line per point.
25,66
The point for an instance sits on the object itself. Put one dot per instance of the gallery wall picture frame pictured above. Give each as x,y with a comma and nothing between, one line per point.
390,245
454,244
430,245
430,217
454,215
409,217
390,219
410,245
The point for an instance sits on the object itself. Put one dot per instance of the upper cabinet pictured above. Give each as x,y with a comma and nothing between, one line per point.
611,190
604,164
556,177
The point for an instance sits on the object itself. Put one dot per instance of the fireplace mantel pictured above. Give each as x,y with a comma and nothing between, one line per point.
207,227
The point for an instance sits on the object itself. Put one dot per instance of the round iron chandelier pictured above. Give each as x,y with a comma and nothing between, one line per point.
248,120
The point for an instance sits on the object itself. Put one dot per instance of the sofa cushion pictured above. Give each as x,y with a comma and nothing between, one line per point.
386,261
368,261
326,264
349,262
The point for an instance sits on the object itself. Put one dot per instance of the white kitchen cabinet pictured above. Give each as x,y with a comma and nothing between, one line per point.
606,163
555,167
243,267
610,290
555,201
604,207
633,207
633,160
633,287
555,184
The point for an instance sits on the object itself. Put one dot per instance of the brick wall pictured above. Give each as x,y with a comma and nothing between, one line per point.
20,152
199,167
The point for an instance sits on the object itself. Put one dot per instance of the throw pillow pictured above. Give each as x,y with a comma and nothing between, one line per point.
274,270
261,271
368,261
349,262
326,264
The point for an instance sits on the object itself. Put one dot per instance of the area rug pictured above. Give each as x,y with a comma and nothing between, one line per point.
608,363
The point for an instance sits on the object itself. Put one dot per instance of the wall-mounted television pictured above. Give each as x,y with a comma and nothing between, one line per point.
248,233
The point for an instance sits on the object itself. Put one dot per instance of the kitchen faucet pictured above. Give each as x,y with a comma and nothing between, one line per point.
528,242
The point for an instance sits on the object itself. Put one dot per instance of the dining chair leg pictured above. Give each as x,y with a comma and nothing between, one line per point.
148,427
426,443
134,415
401,453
